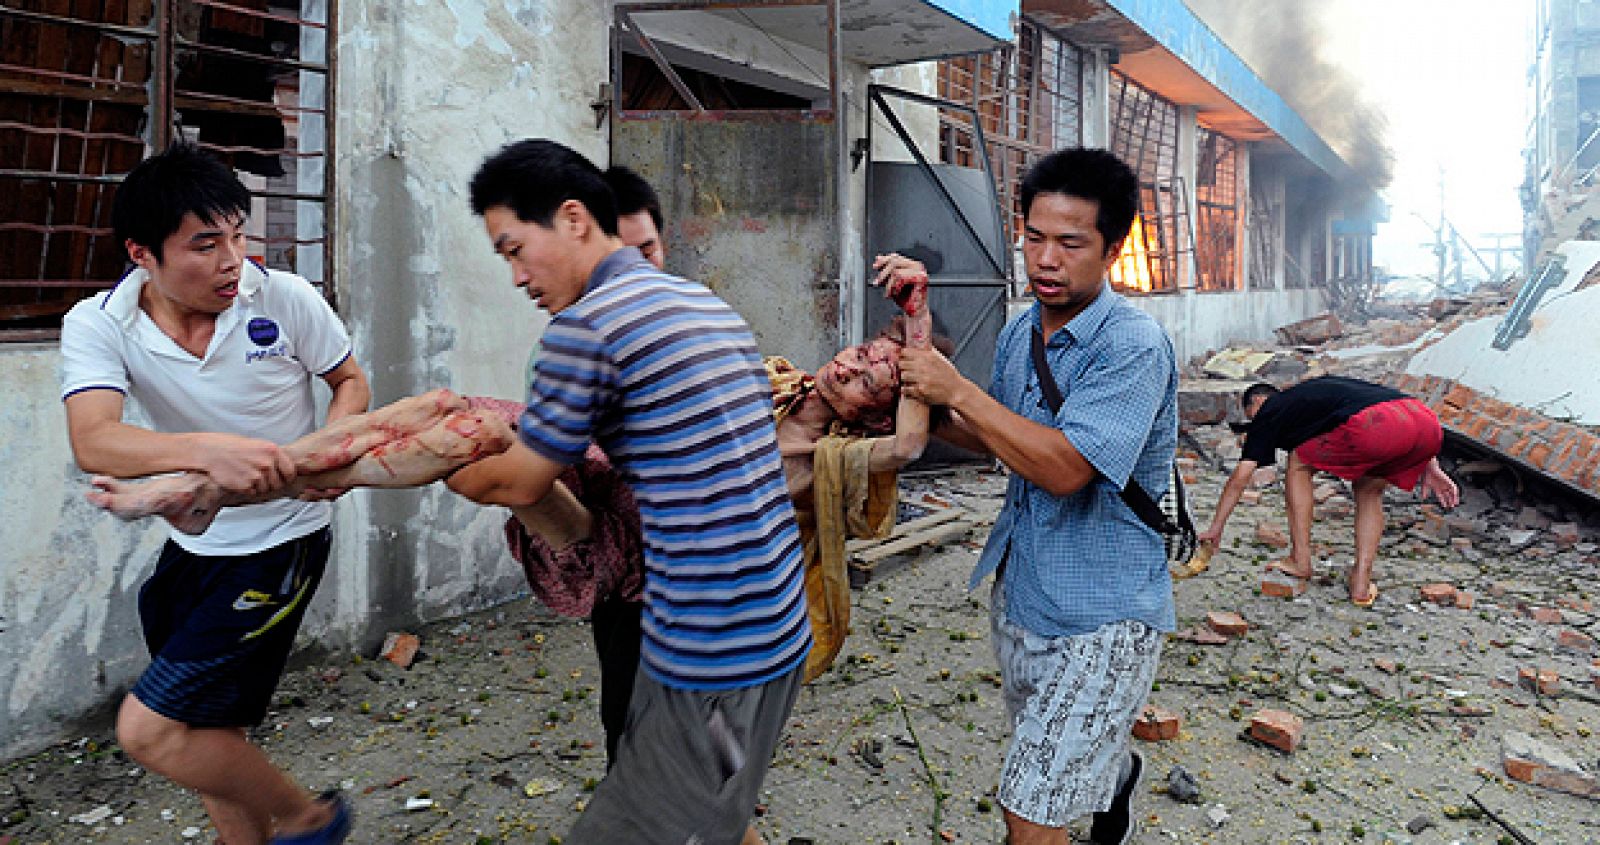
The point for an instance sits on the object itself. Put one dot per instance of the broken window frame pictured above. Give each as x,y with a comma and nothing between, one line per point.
1028,98
625,26
1144,134
47,90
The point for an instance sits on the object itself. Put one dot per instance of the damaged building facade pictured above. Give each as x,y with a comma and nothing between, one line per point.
790,141
1562,157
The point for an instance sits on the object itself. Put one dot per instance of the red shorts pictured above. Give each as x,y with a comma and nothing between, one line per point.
1392,440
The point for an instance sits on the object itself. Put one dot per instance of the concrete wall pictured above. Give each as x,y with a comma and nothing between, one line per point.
424,92
1199,322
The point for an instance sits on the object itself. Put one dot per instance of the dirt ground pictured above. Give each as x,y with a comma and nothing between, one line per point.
492,735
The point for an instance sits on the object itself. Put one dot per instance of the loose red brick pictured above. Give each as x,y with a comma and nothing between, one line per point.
1565,534
1464,600
1542,681
1575,642
1461,396
1532,761
1227,622
1270,535
1580,605
1546,615
1156,725
1278,585
400,649
1388,666
1278,728
1441,594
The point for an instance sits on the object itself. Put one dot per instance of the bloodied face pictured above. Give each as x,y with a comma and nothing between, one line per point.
861,380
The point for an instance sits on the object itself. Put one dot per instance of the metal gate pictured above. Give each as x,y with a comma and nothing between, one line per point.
949,218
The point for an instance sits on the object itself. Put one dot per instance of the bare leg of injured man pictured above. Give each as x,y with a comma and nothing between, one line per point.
409,443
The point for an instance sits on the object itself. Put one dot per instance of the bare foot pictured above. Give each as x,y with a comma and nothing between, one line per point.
1287,567
1362,591
189,501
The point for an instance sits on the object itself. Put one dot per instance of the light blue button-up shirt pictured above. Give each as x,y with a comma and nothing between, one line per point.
1075,563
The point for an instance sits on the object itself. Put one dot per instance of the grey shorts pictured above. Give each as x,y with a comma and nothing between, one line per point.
1072,702
689,765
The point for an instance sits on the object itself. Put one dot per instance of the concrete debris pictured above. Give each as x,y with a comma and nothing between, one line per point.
400,649
1281,585
1182,787
1533,761
1227,623
1156,725
1313,331
1218,816
1271,536
1278,728
95,816
1242,364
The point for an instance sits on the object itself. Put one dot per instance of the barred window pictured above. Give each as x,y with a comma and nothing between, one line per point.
85,95
1029,97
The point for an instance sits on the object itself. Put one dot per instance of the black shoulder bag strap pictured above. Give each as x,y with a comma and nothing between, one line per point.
1133,495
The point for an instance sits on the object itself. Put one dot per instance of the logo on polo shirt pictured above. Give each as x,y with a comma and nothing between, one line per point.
263,332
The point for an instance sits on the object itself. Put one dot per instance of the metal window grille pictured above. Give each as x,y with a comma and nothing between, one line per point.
1144,133
87,88
1029,98
1216,194
1263,217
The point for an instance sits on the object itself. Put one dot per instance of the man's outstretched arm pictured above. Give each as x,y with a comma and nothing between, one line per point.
1039,453
525,481
103,444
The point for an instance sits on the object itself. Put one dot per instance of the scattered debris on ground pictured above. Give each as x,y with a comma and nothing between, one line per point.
1462,707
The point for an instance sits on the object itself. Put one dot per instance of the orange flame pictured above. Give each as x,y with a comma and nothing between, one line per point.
1132,270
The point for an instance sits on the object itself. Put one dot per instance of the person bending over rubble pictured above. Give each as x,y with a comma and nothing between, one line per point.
1367,434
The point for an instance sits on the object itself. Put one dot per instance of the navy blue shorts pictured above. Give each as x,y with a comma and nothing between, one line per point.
219,629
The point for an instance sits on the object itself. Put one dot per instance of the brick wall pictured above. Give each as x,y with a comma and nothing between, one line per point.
1567,452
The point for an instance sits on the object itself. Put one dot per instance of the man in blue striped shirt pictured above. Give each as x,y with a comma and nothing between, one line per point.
1082,594
666,378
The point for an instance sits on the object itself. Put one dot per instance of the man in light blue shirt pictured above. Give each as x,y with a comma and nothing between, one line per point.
1082,595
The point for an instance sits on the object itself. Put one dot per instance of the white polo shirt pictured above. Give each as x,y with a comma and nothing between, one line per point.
254,381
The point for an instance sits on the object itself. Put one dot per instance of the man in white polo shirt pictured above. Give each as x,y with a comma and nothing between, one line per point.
219,353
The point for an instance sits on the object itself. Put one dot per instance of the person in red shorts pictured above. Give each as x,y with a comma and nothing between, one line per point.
1367,434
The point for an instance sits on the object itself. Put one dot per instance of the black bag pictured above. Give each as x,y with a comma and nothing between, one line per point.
1171,518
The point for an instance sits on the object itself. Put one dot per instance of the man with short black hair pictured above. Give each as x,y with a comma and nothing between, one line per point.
220,354
639,221
1367,434
665,377
1082,595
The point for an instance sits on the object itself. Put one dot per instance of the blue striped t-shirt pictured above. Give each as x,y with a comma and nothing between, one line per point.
666,378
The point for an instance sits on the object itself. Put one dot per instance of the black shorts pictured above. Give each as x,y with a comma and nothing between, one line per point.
219,629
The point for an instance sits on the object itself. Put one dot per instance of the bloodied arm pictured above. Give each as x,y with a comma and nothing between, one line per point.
905,281
103,443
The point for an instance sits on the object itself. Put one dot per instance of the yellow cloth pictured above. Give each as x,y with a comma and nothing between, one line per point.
847,501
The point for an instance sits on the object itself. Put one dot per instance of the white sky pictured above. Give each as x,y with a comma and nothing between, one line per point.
1453,77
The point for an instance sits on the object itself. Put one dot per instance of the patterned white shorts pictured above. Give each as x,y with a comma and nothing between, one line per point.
1072,703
